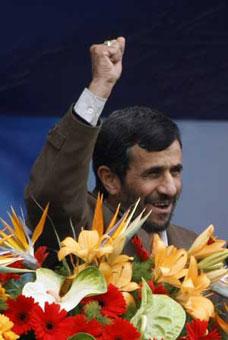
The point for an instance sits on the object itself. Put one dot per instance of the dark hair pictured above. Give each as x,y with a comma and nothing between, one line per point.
149,128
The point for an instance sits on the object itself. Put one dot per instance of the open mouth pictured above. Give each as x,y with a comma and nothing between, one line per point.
161,206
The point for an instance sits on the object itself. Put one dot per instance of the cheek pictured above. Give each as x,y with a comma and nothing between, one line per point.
145,187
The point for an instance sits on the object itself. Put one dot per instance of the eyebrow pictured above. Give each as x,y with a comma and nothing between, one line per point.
178,167
157,169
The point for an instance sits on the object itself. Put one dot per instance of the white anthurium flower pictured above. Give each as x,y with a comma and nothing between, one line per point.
48,284
46,287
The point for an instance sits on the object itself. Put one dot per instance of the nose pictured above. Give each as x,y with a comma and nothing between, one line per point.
167,185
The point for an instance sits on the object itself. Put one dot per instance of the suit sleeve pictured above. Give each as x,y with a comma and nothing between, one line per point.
59,177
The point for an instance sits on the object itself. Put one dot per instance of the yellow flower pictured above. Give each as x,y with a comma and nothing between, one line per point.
118,271
206,244
199,307
89,247
189,295
157,244
169,263
5,329
194,283
93,245
117,268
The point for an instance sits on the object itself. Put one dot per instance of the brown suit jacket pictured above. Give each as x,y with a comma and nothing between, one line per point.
59,176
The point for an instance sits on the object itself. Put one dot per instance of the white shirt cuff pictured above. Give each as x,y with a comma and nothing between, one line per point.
89,107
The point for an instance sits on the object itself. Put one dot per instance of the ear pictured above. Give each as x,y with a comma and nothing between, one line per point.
110,180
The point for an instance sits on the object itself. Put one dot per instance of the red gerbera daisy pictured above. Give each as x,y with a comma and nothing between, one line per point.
198,330
112,302
52,323
82,325
140,250
121,329
19,311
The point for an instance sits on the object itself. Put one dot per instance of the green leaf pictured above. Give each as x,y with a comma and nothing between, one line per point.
14,287
82,336
224,335
142,269
131,310
15,270
159,316
3,305
92,310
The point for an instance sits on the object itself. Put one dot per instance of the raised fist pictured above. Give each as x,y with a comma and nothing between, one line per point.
106,66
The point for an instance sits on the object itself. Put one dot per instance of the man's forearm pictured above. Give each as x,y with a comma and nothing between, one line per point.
59,175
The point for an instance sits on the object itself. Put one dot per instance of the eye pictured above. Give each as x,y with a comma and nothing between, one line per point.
176,171
152,173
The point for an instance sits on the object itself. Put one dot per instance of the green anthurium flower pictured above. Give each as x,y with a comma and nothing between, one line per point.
48,284
159,316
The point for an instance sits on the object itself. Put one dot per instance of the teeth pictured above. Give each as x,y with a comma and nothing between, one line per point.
161,204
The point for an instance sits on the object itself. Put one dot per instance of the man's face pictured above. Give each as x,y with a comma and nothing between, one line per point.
155,177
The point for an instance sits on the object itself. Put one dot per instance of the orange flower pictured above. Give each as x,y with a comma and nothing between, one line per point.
206,244
193,285
169,263
104,247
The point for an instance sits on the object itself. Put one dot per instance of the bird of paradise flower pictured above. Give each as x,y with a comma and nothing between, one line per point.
16,243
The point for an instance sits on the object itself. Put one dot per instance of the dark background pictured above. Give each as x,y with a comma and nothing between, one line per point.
175,60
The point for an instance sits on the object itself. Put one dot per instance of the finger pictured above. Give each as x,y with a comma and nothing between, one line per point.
115,51
101,49
120,41
114,55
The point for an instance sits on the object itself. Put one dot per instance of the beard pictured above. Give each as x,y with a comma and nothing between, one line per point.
152,227
155,223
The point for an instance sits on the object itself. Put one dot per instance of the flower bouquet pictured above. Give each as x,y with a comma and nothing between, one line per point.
97,292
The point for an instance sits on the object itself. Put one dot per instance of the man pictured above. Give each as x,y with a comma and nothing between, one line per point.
137,154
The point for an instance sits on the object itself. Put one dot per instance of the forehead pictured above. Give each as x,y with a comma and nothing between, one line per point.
142,158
